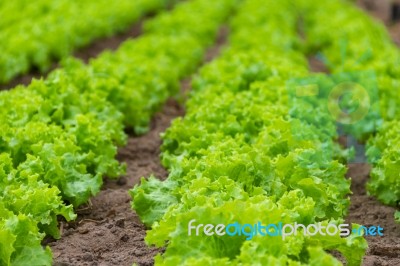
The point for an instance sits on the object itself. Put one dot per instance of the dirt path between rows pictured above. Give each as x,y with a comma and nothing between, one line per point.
108,232
366,210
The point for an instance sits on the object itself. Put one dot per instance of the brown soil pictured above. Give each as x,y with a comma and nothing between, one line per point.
381,10
317,65
107,231
366,210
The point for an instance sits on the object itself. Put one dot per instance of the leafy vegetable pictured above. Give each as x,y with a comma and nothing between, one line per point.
245,152
60,136
59,28
362,47
20,240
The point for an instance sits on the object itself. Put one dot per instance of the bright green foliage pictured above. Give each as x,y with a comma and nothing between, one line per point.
219,201
152,199
244,152
66,138
34,34
355,53
59,136
158,60
384,153
22,192
65,128
20,240
363,46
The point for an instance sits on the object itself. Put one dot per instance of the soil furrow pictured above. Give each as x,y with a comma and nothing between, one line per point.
107,231
366,210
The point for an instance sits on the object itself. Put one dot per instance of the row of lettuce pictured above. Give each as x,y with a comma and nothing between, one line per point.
362,49
59,136
35,34
249,150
